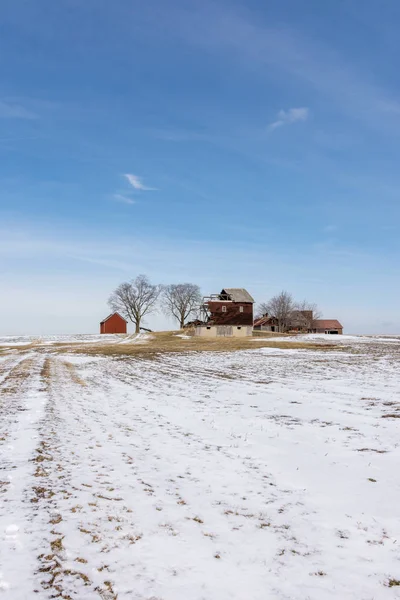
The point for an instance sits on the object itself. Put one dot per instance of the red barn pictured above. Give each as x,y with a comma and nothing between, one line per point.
233,306
227,314
113,324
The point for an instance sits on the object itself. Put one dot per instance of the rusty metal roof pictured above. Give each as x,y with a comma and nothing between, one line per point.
238,294
265,320
326,324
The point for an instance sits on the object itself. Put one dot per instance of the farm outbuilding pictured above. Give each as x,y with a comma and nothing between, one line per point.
327,326
114,324
266,323
301,321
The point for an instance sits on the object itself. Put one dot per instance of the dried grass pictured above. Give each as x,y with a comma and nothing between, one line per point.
168,342
73,373
17,376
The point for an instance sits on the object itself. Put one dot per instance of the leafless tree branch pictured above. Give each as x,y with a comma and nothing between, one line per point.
135,299
181,300
310,313
291,314
281,308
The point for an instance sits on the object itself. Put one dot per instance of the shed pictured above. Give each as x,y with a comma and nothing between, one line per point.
114,323
266,323
327,326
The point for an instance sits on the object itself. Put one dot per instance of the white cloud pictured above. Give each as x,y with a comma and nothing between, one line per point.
136,182
284,53
123,199
9,110
287,117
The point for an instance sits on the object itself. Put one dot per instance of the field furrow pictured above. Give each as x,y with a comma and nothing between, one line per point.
262,474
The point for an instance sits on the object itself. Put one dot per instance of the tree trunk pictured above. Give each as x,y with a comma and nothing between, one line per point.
137,327
182,323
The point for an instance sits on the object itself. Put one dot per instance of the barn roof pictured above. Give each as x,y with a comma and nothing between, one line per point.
327,324
264,320
112,314
238,294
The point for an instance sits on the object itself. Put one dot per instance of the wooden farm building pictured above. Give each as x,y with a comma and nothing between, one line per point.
227,314
327,326
266,323
301,321
113,324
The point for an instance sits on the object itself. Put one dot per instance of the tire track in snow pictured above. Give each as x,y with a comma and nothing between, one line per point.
153,478
67,499
203,454
22,405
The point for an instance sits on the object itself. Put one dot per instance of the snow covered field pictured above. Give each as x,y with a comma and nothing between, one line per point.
264,474
26,340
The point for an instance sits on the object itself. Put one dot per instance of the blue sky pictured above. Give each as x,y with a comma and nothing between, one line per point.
232,144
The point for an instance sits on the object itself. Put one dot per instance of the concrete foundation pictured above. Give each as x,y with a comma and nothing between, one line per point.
224,331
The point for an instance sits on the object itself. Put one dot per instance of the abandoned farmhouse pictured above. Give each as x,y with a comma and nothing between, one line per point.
301,322
231,314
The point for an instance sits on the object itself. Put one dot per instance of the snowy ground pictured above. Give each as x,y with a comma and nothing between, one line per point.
26,340
257,475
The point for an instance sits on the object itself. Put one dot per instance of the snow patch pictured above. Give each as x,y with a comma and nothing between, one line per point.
4,585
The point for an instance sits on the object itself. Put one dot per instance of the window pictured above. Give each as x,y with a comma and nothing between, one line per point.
241,309
224,309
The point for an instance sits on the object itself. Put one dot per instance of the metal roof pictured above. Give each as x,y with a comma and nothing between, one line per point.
238,294
265,320
109,317
327,324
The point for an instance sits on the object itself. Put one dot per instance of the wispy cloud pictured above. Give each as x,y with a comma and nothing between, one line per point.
11,110
287,53
329,228
172,257
123,199
137,183
287,117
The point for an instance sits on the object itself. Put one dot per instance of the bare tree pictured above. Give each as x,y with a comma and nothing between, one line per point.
281,308
135,299
181,300
309,312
